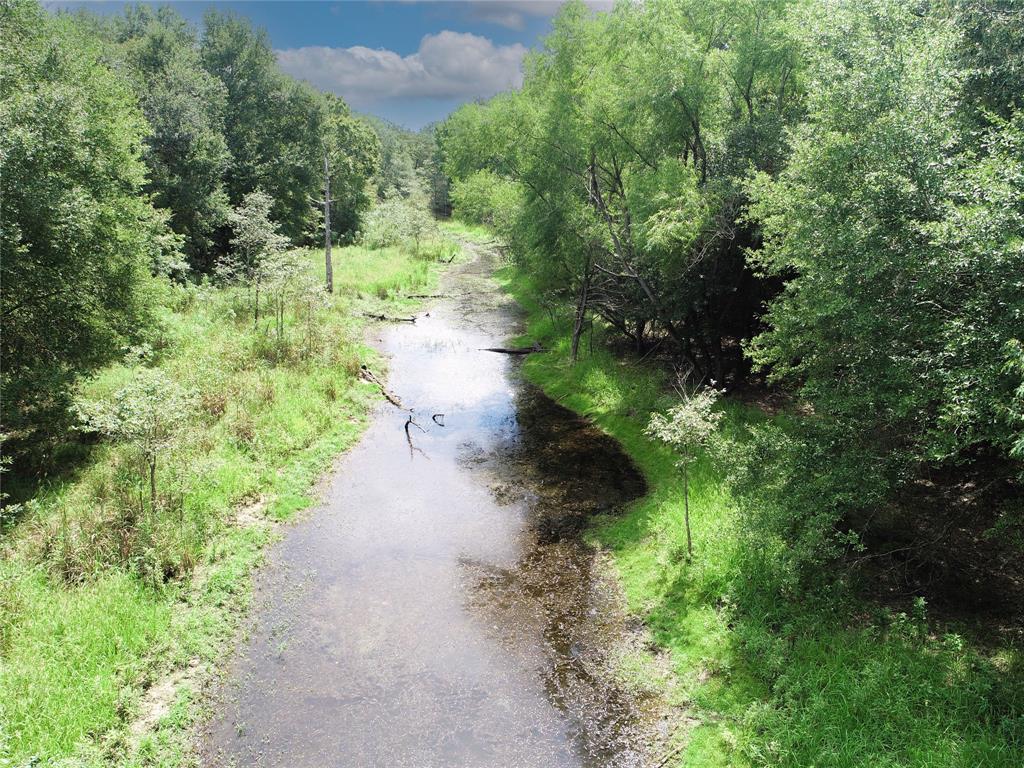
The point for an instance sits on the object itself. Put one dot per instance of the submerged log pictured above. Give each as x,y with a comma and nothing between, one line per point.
388,319
515,350
367,375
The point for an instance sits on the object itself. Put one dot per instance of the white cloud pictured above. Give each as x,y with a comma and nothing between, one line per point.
512,13
448,65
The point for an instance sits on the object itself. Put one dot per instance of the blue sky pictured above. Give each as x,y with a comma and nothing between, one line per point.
410,61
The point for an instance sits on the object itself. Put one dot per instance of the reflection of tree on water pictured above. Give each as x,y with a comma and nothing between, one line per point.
563,471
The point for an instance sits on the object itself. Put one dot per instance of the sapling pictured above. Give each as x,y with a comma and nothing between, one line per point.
147,413
687,427
256,241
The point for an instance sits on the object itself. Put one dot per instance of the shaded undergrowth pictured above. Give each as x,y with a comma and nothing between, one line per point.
830,679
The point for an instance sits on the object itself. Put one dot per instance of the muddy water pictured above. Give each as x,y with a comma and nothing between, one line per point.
438,608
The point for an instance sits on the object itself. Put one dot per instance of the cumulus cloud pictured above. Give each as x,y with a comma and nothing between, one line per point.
447,65
511,14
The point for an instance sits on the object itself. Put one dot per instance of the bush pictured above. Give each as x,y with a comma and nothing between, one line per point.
485,197
798,486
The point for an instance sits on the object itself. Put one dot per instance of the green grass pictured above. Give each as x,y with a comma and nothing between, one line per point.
474,232
84,627
853,686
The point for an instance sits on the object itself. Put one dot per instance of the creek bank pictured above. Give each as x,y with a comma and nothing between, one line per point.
438,607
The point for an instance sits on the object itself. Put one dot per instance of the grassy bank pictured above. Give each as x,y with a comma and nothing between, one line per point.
847,684
104,595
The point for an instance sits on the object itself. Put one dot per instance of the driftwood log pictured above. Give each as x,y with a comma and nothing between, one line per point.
388,319
367,375
515,350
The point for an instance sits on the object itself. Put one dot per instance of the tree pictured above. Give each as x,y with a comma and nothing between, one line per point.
77,235
350,157
185,153
277,129
255,244
687,428
896,227
147,414
629,144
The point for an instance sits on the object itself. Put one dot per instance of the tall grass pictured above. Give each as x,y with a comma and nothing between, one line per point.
849,684
101,594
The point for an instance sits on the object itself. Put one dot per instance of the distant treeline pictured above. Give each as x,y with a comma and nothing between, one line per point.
827,196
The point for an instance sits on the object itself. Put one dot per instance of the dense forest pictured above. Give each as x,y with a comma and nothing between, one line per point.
817,200
816,209
775,247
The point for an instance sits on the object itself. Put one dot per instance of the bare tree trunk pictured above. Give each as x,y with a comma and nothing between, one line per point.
327,225
152,486
686,508
581,313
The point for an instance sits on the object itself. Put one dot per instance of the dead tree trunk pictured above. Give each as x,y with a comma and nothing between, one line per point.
327,224
581,313
686,509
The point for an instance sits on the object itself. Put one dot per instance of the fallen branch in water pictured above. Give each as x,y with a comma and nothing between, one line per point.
410,422
367,375
438,418
515,350
387,319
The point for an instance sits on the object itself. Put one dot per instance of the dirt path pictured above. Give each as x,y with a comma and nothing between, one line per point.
437,609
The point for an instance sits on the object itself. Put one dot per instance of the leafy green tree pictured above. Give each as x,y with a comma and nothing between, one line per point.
687,428
350,156
77,234
147,414
186,153
242,59
395,222
256,243
897,227
629,142
277,129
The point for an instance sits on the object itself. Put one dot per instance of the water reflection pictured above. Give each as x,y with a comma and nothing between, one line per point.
439,608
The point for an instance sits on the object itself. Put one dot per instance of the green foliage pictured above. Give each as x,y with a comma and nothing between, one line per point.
124,139
484,197
354,155
186,155
398,222
77,237
98,600
899,235
689,426
766,681
278,129
628,145
256,238
147,414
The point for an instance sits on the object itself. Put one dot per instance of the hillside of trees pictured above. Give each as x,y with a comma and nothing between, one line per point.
817,210
127,142
820,199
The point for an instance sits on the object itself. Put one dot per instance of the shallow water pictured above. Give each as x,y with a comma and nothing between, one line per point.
438,608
